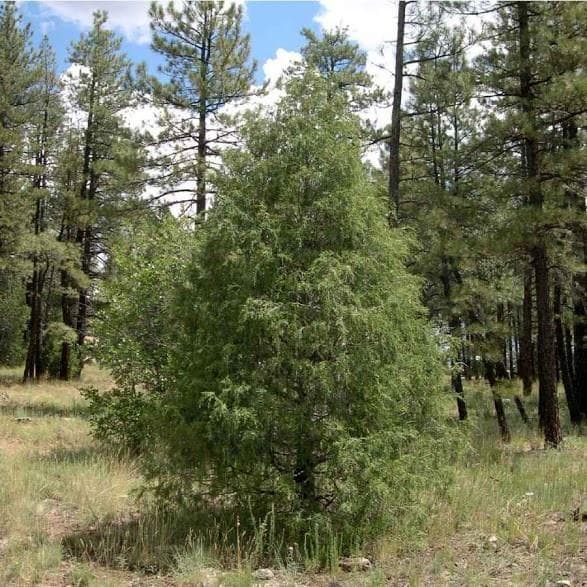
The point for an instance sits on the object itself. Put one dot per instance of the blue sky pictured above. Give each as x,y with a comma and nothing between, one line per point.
272,25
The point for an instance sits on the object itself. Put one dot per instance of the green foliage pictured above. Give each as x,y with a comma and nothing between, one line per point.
207,66
342,64
16,88
135,329
13,315
56,335
307,377
119,417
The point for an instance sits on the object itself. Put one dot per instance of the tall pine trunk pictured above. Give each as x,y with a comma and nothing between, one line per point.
394,135
563,359
202,126
547,400
526,346
34,365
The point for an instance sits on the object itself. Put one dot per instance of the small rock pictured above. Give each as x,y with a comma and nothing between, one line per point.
563,583
355,564
264,574
493,542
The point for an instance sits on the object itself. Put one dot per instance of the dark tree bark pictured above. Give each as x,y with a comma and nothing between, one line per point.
34,365
563,359
454,325
548,402
580,311
492,370
526,346
521,409
68,305
202,112
394,135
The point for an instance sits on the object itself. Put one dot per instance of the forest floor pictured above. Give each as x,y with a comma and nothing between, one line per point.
68,513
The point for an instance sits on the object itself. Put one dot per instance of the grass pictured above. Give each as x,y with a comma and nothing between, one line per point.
69,514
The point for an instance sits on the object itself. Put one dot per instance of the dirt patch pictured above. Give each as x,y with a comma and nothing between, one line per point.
11,446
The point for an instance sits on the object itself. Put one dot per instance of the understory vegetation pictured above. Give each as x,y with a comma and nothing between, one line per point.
69,512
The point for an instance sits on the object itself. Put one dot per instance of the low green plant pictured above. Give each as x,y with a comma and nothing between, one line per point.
118,417
55,336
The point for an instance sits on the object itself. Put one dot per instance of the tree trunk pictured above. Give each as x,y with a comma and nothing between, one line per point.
547,394
457,386
67,313
526,347
202,126
563,359
491,376
520,405
547,398
394,135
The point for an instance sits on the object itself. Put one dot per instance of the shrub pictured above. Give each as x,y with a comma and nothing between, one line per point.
135,330
56,335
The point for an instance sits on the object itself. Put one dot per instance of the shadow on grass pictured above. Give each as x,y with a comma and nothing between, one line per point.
64,455
148,542
10,379
154,540
12,408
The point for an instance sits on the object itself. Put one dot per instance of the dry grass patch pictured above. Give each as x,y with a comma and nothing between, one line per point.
68,514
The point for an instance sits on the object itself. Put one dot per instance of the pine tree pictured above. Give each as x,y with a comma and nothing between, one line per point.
207,66
17,82
44,250
342,63
19,76
439,175
108,158
535,74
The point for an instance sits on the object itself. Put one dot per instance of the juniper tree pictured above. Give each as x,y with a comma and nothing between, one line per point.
207,66
306,371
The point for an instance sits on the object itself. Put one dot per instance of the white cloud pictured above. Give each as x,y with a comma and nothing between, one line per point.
370,22
129,17
274,67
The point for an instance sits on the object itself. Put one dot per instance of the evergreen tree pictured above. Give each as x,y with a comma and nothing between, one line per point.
306,372
19,76
535,74
341,63
108,157
440,182
44,250
207,67
17,82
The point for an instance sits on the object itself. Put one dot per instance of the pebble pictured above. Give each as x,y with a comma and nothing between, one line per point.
264,574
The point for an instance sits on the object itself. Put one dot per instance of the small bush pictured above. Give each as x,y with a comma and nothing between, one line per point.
56,335
119,418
